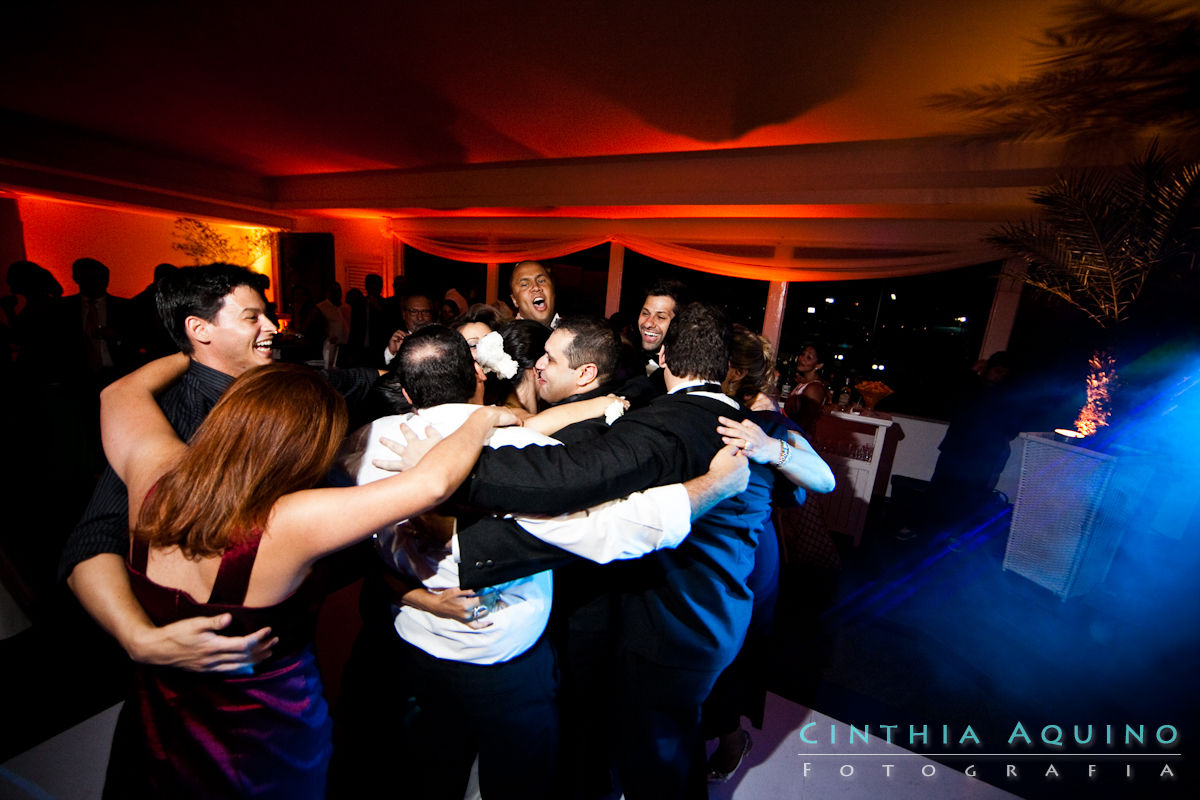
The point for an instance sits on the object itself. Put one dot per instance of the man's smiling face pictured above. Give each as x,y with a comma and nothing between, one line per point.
239,336
654,319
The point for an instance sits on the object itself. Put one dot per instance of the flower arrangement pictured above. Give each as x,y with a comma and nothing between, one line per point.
872,392
490,354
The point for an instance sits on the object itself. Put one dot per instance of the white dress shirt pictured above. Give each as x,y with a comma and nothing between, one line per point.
629,528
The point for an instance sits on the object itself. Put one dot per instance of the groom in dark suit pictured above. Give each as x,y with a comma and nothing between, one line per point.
681,614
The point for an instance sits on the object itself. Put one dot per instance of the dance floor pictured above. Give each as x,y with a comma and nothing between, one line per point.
777,764
927,631
70,766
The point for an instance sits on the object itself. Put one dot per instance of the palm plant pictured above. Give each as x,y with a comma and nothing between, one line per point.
1113,72
1101,235
1112,69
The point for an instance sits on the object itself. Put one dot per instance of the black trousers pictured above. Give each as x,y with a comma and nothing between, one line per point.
506,713
373,718
622,711
661,746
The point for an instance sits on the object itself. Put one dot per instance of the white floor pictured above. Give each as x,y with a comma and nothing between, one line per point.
68,767
71,765
12,619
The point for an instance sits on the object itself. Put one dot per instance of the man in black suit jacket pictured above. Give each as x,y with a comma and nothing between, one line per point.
579,362
682,613
215,314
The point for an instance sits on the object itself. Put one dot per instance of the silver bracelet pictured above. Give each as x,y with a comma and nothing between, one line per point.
785,452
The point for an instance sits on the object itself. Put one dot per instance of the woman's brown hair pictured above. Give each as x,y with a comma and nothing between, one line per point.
751,367
275,431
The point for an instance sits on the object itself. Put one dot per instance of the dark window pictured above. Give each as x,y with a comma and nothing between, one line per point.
918,335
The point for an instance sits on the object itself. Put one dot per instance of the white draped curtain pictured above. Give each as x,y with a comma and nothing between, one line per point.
778,250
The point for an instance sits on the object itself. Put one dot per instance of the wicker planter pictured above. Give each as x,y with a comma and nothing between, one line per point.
1072,507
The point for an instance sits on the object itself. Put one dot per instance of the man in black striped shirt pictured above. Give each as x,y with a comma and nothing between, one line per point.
217,315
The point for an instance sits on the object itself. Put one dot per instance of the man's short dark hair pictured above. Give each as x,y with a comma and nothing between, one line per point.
198,292
665,287
162,270
415,293
84,265
435,366
698,342
545,268
594,343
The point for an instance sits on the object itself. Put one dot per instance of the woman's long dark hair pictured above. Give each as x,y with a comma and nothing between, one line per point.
525,341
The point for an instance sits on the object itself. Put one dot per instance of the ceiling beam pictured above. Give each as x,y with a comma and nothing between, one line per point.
65,187
44,158
939,171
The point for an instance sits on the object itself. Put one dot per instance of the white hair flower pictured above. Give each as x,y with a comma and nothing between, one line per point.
489,352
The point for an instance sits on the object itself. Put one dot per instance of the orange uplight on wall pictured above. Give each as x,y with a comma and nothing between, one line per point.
131,241
207,242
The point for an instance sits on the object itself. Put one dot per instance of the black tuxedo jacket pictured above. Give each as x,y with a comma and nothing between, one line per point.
686,607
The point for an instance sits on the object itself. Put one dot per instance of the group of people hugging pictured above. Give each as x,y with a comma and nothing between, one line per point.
567,554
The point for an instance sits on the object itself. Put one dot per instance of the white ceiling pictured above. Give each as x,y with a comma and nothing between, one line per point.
590,109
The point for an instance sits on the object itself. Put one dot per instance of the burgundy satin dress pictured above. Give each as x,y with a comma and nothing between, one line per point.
262,735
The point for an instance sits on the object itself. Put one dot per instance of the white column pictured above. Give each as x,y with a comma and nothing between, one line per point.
616,267
397,264
773,320
493,283
1004,308
776,300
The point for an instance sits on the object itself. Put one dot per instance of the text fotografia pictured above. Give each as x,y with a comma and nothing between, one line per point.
889,768
1091,752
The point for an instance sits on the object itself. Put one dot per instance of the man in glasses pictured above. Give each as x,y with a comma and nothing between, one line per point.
416,311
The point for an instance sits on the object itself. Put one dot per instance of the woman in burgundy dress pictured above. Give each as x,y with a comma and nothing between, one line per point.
230,523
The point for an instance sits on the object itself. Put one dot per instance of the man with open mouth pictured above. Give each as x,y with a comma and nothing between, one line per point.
533,293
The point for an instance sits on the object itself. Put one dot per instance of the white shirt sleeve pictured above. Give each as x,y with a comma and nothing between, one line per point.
619,529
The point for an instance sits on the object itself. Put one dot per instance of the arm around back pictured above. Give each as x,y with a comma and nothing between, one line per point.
102,585
139,442
630,457
319,521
